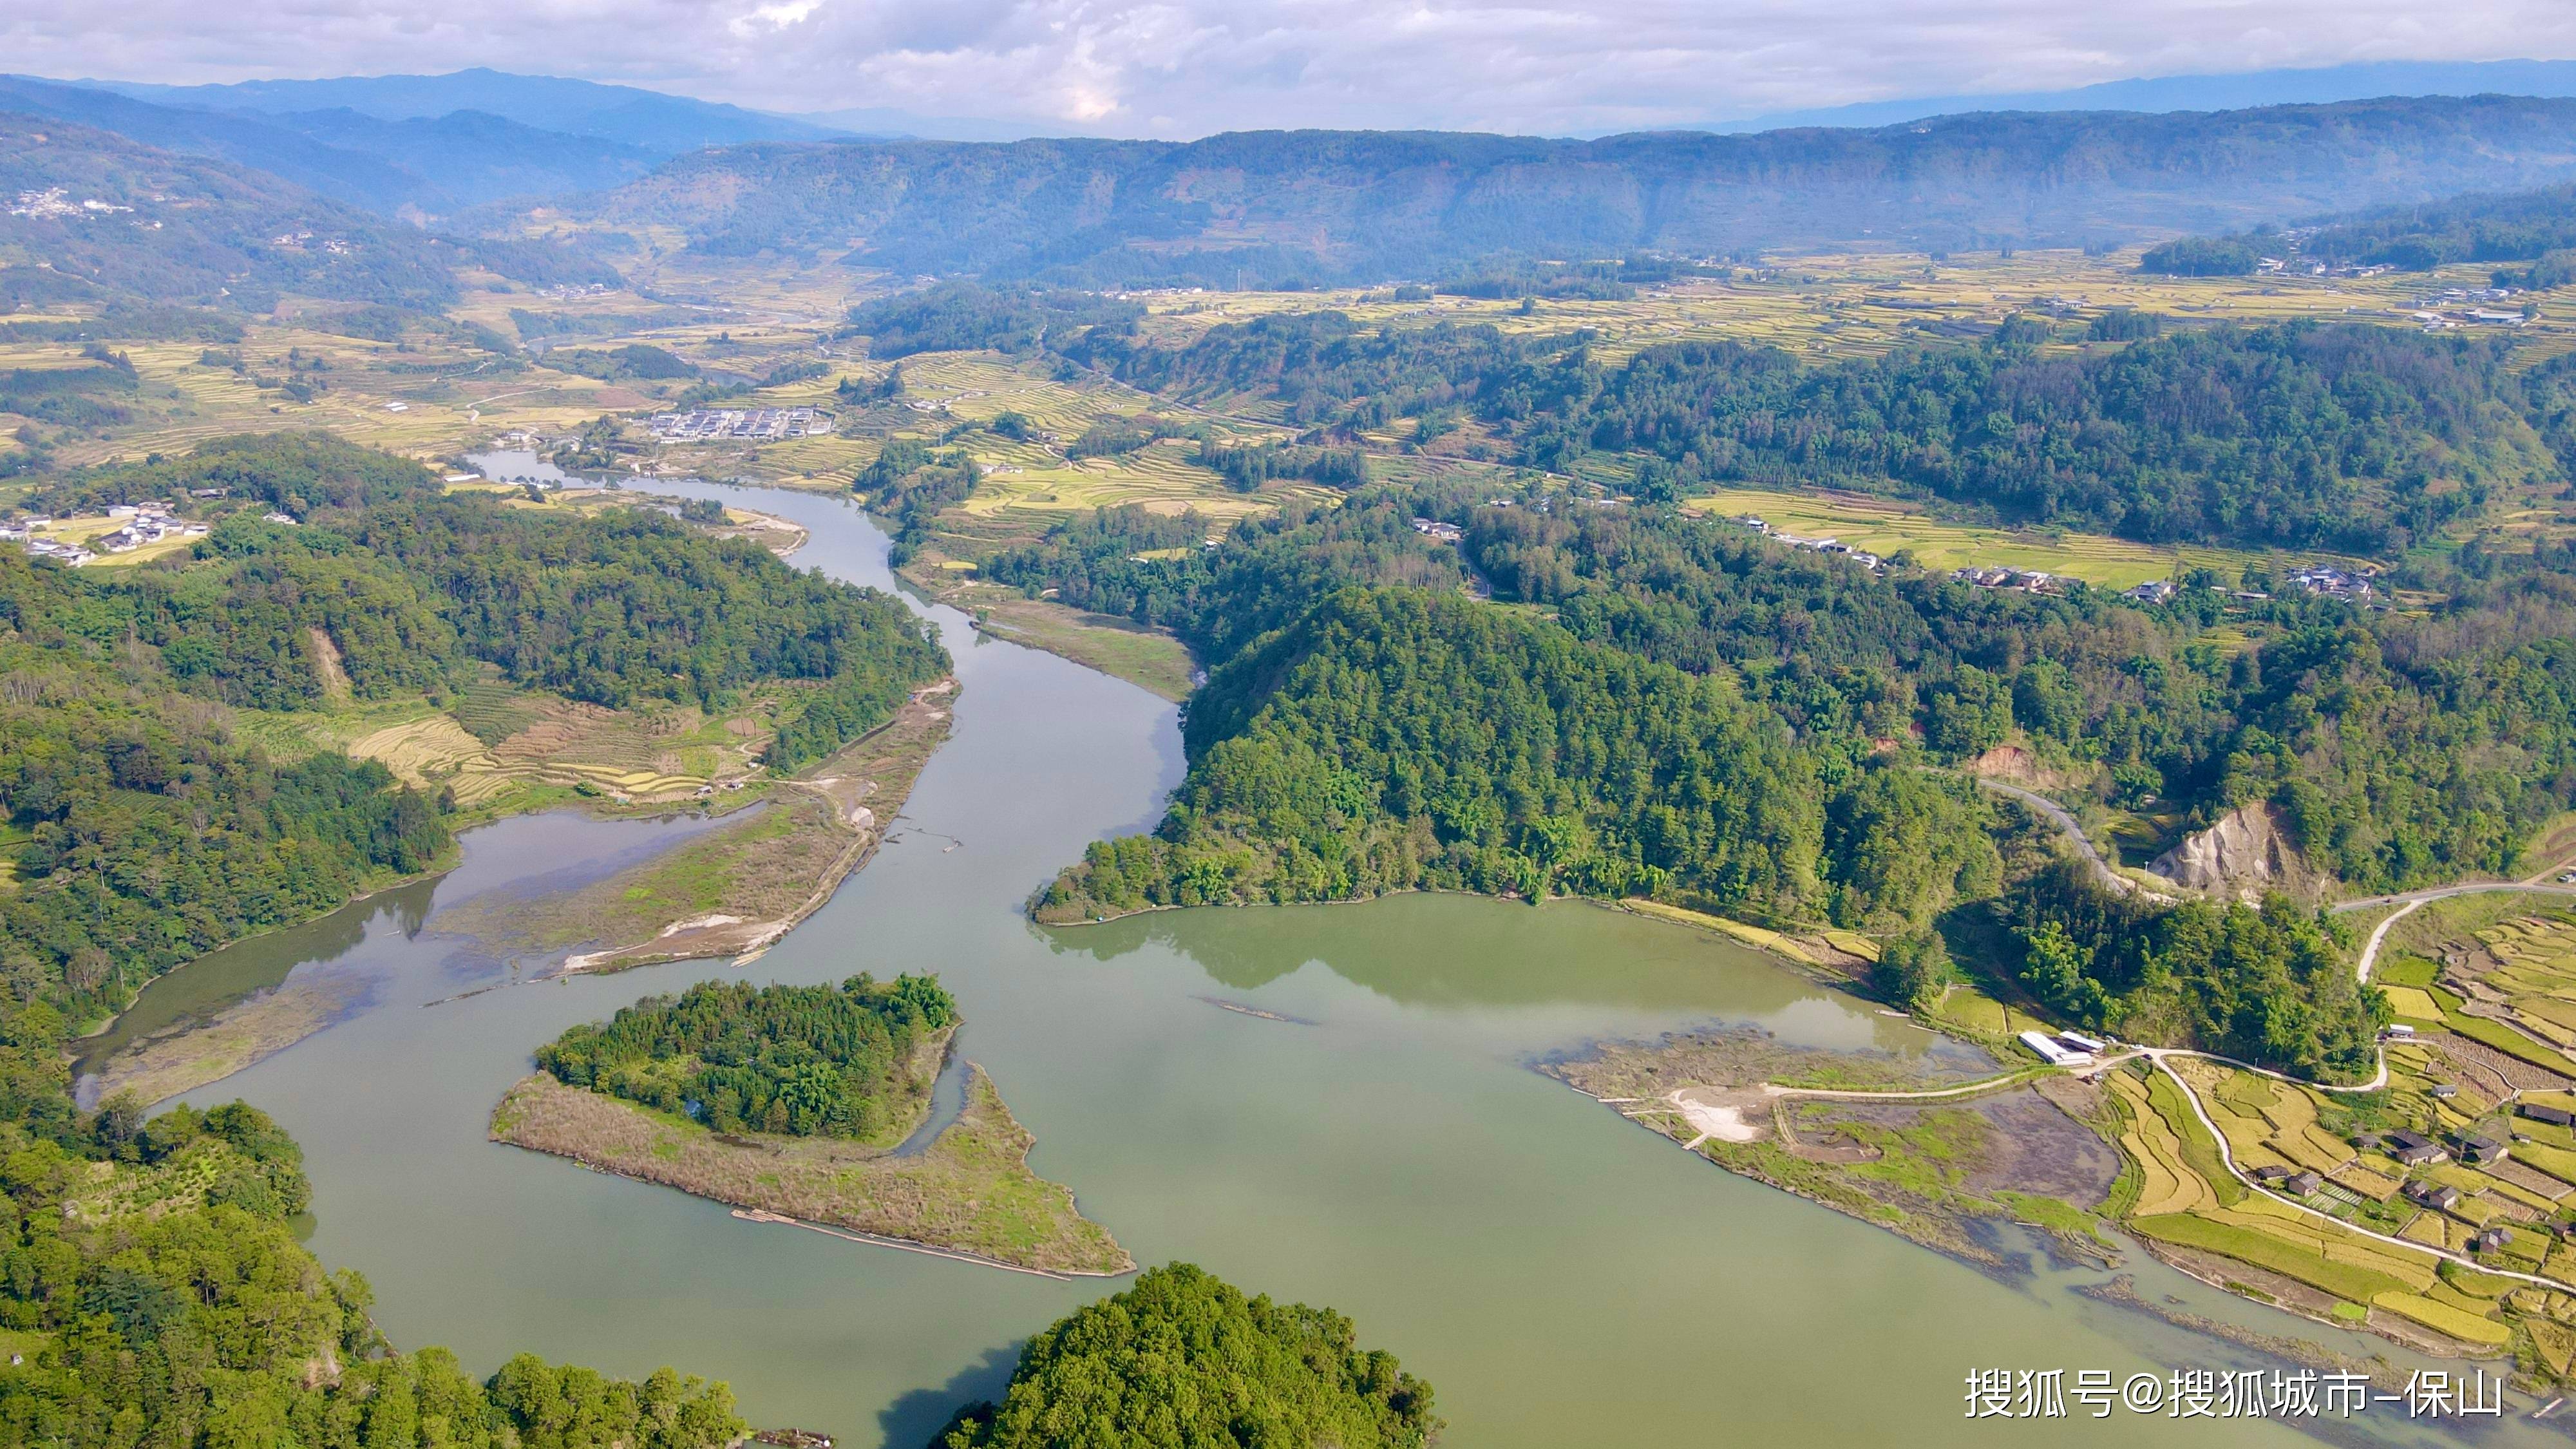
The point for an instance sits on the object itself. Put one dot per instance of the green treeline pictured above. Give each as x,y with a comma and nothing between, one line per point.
1393,739
1247,468
1718,718
634,362
146,836
413,585
2516,226
2199,256
1267,571
153,1293
2402,748
2303,435
804,1060
1181,1359
1326,367
2310,435
143,832
2405,749
966,317
2265,984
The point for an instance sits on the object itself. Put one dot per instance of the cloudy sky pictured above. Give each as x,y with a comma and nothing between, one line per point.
1188,67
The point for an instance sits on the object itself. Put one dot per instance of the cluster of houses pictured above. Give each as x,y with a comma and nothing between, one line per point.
2459,307
53,202
23,533
1433,528
1995,576
705,425
142,523
305,241
145,523
2290,266
1835,546
2315,578
2332,582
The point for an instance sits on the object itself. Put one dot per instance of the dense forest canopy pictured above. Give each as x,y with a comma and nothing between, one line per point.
967,317
832,1061
2352,437
2479,227
2267,983
1181,1360
143,831
157,1293
1714,716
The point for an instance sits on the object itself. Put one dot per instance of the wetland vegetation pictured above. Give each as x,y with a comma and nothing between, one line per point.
792,1101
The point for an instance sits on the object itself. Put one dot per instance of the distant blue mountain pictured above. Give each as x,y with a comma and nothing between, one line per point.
2323,85
419,166
648,120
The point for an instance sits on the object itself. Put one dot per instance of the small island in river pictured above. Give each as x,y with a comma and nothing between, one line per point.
800,1102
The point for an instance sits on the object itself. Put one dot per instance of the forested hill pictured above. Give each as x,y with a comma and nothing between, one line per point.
2354,437
1715,718
109,215
142,830
163,1297
2536,229
1277,206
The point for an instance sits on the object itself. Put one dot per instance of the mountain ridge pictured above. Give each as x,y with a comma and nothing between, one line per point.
1362,206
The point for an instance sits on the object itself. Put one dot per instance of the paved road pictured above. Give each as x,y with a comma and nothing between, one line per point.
2102,871
2229,1160
2437,893
2379,933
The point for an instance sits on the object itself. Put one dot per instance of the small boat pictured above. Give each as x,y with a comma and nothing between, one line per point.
793,1439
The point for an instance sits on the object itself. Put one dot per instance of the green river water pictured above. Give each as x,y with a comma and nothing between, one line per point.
1562,1277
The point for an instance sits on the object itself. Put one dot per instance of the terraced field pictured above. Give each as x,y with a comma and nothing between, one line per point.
1861,305
638,756
1884,528
2190,1205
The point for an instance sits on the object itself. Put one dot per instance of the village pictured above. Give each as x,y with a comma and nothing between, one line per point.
76,542
706,425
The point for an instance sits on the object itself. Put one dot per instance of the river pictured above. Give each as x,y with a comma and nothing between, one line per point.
1561,1277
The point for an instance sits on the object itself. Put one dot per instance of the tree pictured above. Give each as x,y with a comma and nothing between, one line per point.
1912,970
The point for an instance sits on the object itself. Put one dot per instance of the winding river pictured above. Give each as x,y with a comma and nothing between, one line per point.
1561,1277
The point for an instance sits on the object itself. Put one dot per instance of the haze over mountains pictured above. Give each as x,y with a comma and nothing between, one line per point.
475,150
2307,86
1315,206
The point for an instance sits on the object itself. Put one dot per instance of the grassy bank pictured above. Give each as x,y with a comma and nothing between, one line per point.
738,888
970,1192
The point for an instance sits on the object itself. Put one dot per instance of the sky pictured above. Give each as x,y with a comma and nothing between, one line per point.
1178,68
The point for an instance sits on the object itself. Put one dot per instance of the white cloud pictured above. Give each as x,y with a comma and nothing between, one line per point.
1186,67
773,18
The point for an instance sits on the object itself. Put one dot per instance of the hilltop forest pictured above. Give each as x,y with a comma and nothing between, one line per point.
2304,435
802,1061
147,832
158,1293
1711,717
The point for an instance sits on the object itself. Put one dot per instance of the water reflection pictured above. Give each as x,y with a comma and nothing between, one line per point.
341,959
1539,973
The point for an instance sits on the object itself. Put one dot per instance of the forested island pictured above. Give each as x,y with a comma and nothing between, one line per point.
791,1101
